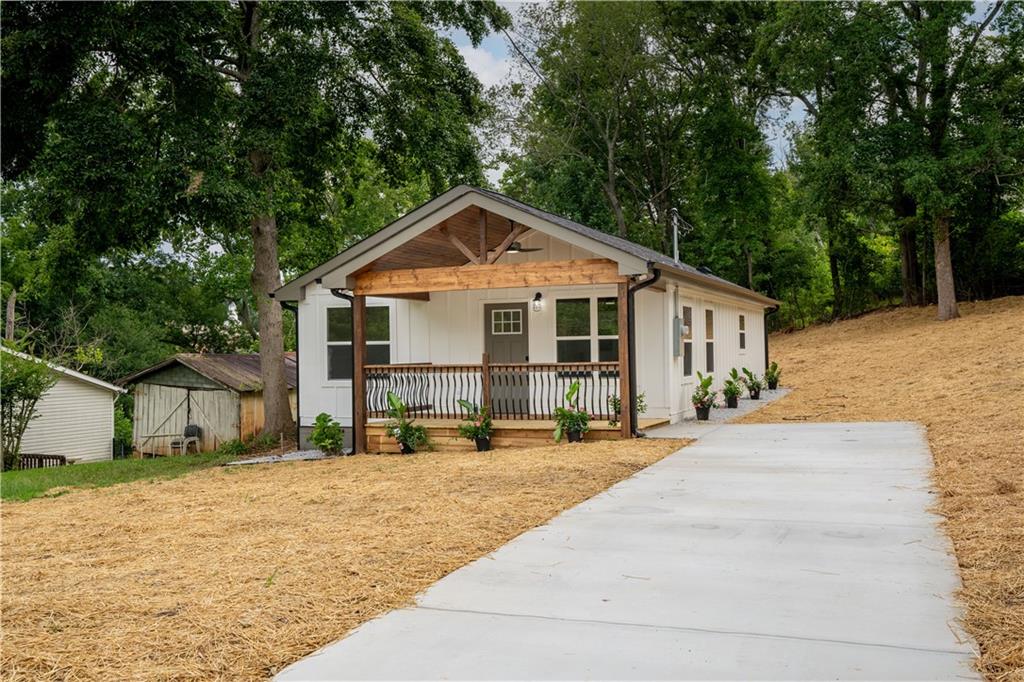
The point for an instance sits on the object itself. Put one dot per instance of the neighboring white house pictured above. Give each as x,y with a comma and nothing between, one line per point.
549,300
75,418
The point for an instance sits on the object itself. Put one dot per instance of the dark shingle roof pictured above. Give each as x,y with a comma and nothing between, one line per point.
239,372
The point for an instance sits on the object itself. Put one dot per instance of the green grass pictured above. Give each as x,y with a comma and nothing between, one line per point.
24,485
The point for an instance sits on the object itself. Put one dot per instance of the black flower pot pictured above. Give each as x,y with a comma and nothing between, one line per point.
703,412
407,449
755,394
772,385
732,401
575,436
482,444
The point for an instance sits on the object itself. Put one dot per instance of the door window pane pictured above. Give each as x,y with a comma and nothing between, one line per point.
687,359
574,350
506,322
572,317
607,316
710,354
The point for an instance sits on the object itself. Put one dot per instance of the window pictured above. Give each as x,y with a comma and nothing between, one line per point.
507,322
585,328
743,332
687,341
709,338
339,339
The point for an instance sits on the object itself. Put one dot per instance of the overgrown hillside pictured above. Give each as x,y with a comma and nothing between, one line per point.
964,380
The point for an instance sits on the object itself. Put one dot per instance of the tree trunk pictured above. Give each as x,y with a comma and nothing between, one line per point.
612,191
750,270
909,268
265,278
9,319
837,286
945,285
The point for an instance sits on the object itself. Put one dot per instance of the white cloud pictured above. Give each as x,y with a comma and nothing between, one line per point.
490,68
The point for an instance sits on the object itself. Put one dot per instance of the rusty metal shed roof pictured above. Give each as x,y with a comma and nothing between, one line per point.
238,372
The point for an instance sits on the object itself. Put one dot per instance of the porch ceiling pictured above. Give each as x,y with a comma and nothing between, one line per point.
433,249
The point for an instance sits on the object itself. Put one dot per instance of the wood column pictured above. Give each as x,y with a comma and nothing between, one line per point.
485,379
359,373
625,398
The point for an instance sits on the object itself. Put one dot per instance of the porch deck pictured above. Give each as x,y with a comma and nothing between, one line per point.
508,433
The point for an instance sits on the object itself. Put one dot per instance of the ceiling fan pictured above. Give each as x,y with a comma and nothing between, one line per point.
517,247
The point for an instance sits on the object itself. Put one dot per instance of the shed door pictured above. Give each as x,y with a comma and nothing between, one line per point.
507,340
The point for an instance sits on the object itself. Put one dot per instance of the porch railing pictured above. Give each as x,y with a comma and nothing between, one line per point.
513,390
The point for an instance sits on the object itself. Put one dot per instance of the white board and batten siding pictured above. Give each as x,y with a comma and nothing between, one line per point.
75,419
449,329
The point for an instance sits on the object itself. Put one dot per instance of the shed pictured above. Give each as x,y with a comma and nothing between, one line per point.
75,418
219,392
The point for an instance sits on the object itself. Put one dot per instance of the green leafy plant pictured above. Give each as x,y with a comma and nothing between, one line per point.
615,405
327,434
478,421
732,388
233,448
571,418
24,380
401,428
753,383
772,374
703,395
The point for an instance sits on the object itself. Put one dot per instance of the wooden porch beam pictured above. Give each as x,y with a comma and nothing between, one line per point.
359,374
504,245
625,396
508,276
459,244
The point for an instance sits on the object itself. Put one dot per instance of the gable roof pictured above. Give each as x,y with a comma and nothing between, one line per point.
238,372
596,238
99,383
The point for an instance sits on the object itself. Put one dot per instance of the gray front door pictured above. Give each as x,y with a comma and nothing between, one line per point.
506,340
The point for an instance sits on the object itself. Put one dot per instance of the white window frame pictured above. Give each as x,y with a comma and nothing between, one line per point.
743,333
593,336
328,343
513,321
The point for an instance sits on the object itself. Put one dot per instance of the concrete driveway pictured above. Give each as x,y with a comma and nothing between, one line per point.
800,551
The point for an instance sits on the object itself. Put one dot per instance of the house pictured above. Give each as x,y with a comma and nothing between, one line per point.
478,296
75,418
220,393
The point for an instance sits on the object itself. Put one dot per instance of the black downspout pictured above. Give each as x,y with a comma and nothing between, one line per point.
631,335
340,293
288,305
769,311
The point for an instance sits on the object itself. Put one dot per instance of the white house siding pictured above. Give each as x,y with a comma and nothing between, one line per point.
75,419
449,329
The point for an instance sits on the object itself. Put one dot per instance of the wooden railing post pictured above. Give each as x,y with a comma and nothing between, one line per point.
485,382
359,373
625,399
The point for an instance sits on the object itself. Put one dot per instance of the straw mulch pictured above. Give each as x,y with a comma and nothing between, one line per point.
234,573
964,380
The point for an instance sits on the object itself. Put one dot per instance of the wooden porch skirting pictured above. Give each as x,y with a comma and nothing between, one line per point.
508,433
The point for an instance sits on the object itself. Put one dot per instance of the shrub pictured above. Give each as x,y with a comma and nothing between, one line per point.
571,418
772,374
401,428
615,404
233,448
753,383
24,381
703,396
478,423
733,386
327,434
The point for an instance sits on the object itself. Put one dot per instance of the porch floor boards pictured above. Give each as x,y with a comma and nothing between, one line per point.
522,433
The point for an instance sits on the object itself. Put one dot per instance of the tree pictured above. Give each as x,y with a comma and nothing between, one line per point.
24,380
230,119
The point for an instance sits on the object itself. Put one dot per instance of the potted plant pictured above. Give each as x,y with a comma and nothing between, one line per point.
771,376
732,389
478,426
408,435
615,405
571,420
327,435
753,384
703,397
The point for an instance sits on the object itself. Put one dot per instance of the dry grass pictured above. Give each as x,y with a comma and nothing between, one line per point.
964,380
234,573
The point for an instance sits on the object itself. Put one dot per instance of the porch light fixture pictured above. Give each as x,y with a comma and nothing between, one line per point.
538,302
